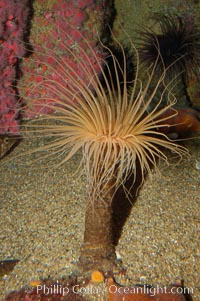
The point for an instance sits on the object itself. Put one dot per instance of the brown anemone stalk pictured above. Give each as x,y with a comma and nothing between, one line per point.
113,129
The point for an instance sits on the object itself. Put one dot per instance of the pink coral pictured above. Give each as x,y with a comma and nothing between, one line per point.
13,21
67,23
70,25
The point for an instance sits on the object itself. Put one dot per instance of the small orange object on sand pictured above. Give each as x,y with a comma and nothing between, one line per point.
35,283
97,276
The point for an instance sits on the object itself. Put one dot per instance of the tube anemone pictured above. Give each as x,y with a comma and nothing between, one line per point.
109,122
124,60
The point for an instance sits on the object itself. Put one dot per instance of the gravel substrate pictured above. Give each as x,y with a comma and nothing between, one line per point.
42,221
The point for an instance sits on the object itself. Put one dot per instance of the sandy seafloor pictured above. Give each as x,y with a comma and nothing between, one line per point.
42,222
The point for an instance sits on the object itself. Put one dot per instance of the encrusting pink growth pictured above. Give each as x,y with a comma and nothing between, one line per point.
13,21
69,24
65,22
